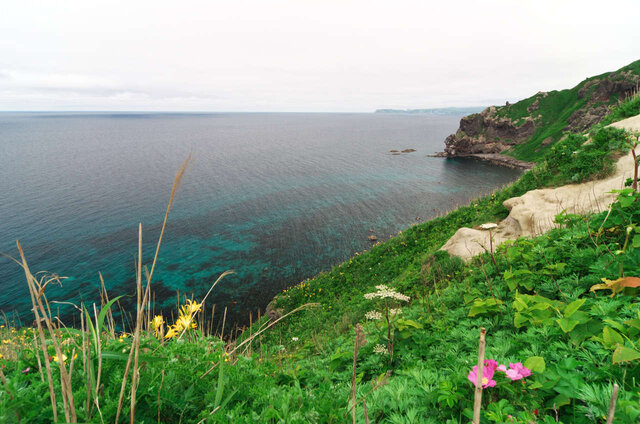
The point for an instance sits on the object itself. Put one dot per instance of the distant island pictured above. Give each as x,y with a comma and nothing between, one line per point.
436,111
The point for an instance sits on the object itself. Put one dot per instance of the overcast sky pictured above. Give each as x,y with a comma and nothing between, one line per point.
301,55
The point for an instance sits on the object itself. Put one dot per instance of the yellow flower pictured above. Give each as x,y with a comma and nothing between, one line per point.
172,332
185,322
157,324
191,308
6,341
64,358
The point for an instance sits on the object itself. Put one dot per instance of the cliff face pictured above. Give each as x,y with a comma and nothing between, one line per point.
525,129
485,132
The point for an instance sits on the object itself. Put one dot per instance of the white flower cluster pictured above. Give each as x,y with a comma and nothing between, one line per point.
385,292
380,350
394,312
374,315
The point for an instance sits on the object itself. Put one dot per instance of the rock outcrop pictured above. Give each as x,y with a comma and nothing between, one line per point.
485,132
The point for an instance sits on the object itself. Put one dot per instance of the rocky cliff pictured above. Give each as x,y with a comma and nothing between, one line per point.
525,129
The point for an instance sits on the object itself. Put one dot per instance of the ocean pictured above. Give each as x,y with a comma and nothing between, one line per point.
277,197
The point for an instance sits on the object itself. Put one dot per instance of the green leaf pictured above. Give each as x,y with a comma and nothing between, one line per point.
611,337
519,320
408,323
535,364
615,324
573,307
625,354
636,241
567,324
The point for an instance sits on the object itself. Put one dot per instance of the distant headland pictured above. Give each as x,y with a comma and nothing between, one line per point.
436,111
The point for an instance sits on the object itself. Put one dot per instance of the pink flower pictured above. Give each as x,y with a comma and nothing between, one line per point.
502,368
26,370
517,371
487,376
491,364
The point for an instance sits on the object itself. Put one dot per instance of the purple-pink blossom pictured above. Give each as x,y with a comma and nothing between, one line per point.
487,375
517,371
26,370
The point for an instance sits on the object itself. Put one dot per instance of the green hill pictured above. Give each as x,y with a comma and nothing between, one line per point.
527,129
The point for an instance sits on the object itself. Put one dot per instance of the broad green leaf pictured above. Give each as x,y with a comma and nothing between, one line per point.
573,307
615,324
535,364
625,354
519,320
567,324
611,337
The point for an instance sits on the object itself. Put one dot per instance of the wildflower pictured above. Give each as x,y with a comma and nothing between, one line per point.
26,370
487,376
56,359
6,341
491,364
1,356
373,315
171,332
386,292
157,324
517,371
185,322
395,312
295,339
502,368
380,349
191,308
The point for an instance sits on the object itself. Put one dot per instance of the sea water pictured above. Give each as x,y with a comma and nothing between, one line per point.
275,197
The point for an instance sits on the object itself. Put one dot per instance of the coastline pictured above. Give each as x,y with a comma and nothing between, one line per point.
494,158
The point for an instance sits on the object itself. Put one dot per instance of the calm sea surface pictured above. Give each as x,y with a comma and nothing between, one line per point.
276,197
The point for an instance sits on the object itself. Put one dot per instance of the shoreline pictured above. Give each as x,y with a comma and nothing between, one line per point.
494,158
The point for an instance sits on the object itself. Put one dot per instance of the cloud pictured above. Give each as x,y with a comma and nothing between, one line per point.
302,56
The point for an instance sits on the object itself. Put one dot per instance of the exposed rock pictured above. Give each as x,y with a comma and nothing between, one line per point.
485,133
534,212
408,150
273,313
583,119
533,106
373,238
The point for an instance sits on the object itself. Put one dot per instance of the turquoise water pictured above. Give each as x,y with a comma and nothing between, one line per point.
276,197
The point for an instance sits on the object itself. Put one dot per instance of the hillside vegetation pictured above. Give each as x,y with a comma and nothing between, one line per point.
390,336
527,129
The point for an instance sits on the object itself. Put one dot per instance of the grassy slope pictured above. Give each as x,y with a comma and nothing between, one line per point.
554,110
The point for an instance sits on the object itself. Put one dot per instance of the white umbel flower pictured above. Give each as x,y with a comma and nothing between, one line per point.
373,315
385,292
380,350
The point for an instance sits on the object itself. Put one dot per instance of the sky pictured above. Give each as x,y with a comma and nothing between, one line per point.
303,55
